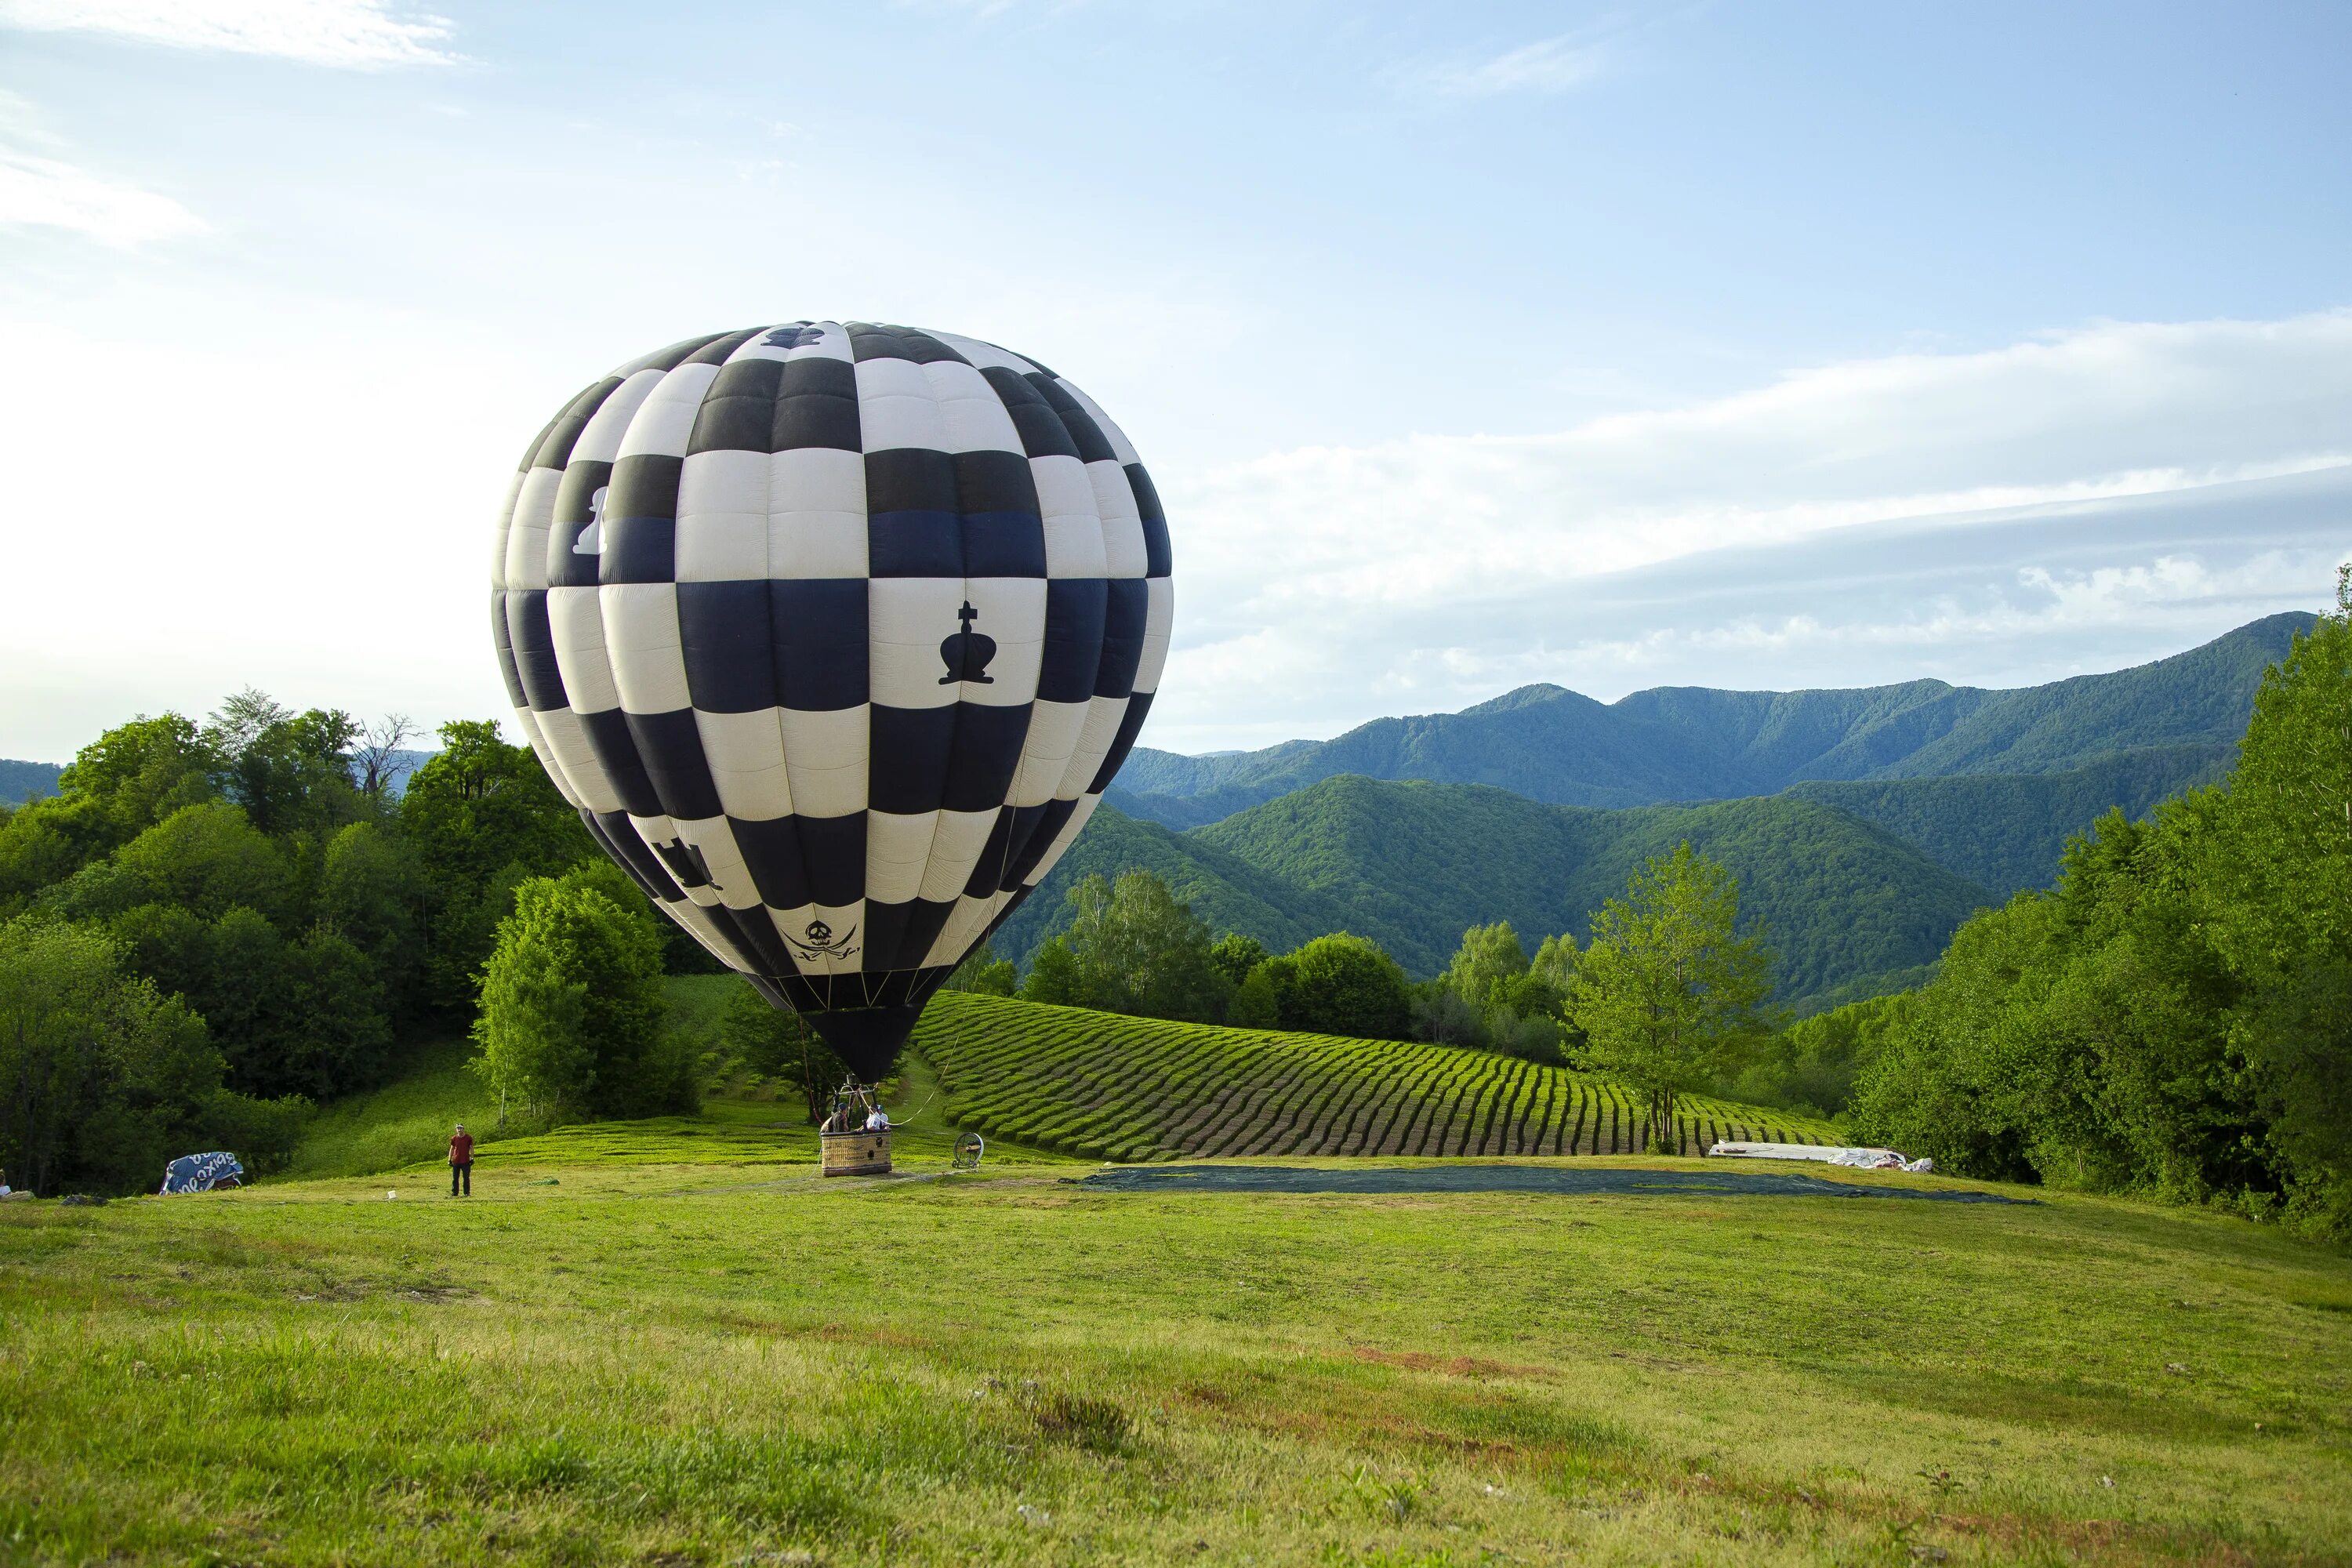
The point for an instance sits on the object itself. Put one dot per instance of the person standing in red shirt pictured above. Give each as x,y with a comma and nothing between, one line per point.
461,1161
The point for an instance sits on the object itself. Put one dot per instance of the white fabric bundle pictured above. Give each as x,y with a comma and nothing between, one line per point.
1824,1153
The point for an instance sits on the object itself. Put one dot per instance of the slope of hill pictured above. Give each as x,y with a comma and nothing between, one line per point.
1681,743
1411,865
2006,831
1113,1087
21,782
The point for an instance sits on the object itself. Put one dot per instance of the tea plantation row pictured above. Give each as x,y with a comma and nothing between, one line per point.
1110,1087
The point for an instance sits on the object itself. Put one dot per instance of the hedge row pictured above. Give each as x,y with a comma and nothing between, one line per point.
1110,1087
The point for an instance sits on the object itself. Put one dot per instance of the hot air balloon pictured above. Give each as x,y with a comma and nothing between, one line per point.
833,633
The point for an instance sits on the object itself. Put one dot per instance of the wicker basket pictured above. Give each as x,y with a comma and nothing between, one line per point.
859,1154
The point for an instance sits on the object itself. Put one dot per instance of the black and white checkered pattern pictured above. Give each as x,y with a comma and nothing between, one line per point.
731,592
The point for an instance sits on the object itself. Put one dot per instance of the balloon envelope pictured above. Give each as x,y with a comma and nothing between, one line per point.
835,634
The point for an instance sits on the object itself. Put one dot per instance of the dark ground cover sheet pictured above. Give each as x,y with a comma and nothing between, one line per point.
1479,1178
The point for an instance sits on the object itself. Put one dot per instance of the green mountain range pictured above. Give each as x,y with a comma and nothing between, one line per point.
1685,743
1864,824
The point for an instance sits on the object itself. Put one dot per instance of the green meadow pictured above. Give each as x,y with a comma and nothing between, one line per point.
670,1343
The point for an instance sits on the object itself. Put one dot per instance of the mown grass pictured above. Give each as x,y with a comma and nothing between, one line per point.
1109,1086
736,1363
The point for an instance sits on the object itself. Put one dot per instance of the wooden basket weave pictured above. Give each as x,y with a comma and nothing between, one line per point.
858,1154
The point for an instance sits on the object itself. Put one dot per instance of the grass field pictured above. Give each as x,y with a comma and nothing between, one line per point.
1113,1087
669,1342
726,1360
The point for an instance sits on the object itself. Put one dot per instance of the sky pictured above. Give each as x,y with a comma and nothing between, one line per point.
1755,345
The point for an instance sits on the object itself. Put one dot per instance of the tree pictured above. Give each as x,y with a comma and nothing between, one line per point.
211,859
373,892
478,804
2175,1016
287,770
116,788
782,1048
482,818
1342,984
1668,991
1489,958
375,755
983,973
1256,1005
2276,887
1132,947
102,1079
572,1007
1555,962
1054,977
1492,997
1233,955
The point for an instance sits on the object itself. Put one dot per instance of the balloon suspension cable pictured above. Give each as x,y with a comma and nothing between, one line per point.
853,1102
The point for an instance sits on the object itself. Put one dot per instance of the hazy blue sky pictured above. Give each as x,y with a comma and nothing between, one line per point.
1744,345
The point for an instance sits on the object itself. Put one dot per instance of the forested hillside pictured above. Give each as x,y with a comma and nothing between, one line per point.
1412,865
209,928
21,782
1683,744
2007,831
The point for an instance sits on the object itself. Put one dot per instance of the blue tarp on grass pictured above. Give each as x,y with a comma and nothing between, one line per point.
1478,1178
203,1172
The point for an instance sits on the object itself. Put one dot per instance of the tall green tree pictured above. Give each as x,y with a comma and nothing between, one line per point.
1489,959
289,770
373,892
2277,891
1131,947
1234,954
482,818
572,1008
2175,1017
1668,991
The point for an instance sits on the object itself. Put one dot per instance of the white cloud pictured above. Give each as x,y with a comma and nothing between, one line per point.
1333,583
1547,65
361,33
50,193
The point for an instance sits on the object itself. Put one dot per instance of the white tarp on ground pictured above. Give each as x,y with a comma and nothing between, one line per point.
1822,1153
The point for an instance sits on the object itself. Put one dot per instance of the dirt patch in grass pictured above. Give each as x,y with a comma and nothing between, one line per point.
1447,1366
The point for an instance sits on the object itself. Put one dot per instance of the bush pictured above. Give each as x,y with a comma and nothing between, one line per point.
1342,985
573,1008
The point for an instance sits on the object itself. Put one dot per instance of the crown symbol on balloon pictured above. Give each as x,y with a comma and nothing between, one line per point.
966,653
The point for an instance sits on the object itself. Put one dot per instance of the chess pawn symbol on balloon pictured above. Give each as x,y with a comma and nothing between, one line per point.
966,653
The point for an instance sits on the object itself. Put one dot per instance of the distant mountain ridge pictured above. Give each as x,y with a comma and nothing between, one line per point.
21,782
1692,743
